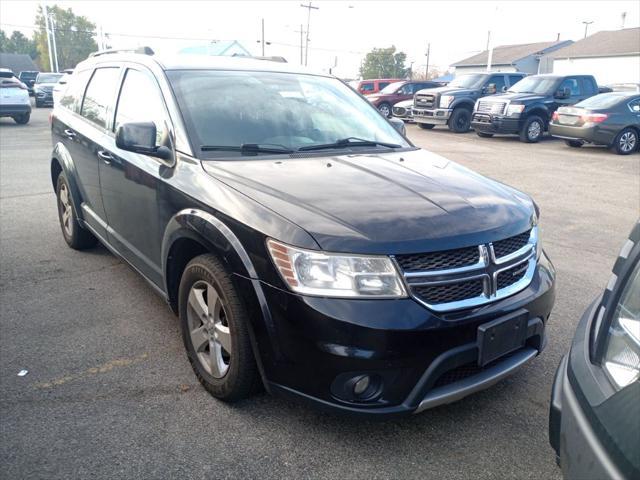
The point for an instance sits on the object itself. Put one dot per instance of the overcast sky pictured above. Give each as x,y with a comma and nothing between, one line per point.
342,29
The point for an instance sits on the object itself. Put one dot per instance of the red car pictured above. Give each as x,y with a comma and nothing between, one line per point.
397,92
374,85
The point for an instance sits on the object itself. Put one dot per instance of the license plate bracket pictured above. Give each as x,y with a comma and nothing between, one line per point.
501,336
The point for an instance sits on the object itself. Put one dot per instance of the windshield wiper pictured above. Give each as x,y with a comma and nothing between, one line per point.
348,142
248,148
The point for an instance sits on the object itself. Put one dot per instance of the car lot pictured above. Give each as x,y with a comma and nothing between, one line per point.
110,393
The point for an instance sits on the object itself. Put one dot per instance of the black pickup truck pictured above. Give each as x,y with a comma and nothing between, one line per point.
452,105
526,108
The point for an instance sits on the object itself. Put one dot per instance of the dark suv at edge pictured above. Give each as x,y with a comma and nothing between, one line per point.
303,242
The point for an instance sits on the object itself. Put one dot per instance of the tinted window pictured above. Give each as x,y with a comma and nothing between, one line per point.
141,101
392,88
48,77
572,84
99,95
588,87
367,87
469,80
634,106
604,100
513,79
498,81
73,95
381,85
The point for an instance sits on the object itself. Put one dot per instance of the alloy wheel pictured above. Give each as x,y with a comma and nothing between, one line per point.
385,110
534,130
209,329
66,210
628,142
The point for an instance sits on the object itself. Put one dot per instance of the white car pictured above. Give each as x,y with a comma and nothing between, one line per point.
14,98
60,87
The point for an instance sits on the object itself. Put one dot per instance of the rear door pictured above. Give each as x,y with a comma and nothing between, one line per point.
83,134
132,187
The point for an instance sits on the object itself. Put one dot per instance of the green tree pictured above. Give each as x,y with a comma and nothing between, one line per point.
74,37
384,63
18,43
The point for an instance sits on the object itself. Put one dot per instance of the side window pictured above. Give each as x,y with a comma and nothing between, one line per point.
572,84
366,87
99,95
588,87
141,101
381,85
406,89
498,81
513,79
72,98
634,105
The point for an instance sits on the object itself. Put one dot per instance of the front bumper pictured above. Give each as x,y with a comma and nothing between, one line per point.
587,134
12,110
44,97
488,123
435,116
421,359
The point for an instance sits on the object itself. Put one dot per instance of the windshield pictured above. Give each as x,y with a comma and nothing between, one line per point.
235,108
539,85
391,88
604,100
467,81
28,75
48,77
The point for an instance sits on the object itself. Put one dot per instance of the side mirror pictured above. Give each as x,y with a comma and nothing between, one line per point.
398,125
503,89
490,89
563,93
140,137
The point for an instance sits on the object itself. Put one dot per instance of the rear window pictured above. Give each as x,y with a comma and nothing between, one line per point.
72,97
100,95
48,77
604,100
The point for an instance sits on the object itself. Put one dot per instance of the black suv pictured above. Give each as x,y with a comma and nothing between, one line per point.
526,108
304,243
452,105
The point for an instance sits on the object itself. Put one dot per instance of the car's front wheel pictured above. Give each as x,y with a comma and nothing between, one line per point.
626,142
460,120
74,234
22,119
215,330
484,135
532,130
385,109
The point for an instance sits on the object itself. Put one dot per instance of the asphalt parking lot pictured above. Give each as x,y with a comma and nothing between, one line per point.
110,393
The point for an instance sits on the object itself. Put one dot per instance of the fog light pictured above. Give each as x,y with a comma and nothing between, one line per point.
361,385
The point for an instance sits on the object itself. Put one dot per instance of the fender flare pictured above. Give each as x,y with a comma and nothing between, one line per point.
61,155
463,102
216,236
538,108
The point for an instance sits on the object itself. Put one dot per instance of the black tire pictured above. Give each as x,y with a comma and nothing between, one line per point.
426,126
484,135
532,130
76,236
626,142
573,143
241,377
22,119
460,120
385,109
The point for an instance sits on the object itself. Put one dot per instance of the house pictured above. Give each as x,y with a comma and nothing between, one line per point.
17,62
511,58
611,56
227,48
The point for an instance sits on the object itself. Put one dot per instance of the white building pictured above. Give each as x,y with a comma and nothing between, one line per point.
610,56
510,58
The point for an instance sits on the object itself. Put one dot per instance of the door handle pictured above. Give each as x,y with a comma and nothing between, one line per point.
70,134
105,156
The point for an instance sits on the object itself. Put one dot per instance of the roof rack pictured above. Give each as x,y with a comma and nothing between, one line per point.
141,50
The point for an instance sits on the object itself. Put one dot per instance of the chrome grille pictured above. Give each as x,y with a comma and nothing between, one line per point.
426,101
486,106
472,276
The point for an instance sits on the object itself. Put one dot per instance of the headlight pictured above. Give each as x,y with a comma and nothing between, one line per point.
445,101
621,359
336,275
514,109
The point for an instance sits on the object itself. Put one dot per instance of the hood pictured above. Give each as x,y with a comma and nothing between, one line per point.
400,202
46,85
445,90
516,97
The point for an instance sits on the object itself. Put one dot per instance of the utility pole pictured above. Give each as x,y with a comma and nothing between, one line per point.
586,26
263,37
490,49
45,13
301,32
309,8
53,41
426,72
